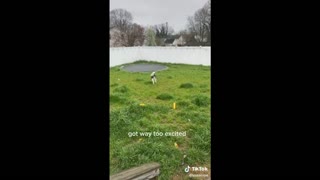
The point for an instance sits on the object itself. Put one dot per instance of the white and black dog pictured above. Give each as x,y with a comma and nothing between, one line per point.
153,77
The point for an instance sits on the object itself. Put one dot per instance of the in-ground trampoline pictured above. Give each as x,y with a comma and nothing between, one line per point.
143,67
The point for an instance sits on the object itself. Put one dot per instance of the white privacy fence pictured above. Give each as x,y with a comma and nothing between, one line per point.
183,55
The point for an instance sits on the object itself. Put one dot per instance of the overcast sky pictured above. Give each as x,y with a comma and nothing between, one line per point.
152,12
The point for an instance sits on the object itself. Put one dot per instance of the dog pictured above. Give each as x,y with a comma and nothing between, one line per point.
153,77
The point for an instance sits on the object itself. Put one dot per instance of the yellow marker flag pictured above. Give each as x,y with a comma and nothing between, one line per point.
174,105
176,145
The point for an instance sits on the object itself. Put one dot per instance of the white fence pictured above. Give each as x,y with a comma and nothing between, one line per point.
183,55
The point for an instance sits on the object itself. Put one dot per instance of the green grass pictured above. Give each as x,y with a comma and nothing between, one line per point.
165,96
192,114
201,100
186,85
121,89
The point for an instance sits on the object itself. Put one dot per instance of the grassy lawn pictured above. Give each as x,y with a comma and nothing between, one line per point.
189,87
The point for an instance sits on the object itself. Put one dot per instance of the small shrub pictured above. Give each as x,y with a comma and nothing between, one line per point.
114,85
122,89
201,100
116,98
139,79
164,96
186,85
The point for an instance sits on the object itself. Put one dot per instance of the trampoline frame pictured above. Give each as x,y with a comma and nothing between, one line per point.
126,65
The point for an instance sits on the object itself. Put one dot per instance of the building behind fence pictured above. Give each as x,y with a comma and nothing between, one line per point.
184,55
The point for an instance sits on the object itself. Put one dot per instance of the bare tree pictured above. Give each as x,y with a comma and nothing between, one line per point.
127,34
118,38
120,19
207,20
163,30
135,35
200,24
189,38
197,26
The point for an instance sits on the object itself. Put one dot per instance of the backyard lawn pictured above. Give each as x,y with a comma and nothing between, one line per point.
136,105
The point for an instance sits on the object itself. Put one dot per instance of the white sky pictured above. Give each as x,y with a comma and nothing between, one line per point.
152,12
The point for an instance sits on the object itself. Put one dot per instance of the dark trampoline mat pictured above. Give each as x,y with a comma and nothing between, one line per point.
144,67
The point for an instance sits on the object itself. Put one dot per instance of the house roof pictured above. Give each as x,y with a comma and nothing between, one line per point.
169,41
